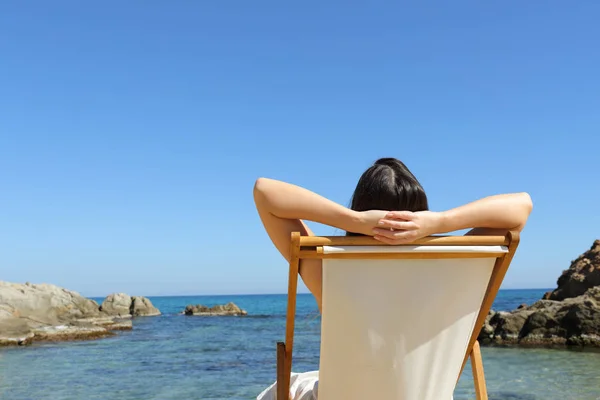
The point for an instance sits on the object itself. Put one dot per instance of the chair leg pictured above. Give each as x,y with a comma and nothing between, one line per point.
283,383
478,376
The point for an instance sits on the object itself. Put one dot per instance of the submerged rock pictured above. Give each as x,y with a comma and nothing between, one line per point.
218,310
568,316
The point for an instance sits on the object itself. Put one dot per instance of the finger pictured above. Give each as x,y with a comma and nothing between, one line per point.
398,225
406,215
384,239
385,233
398,235
387,240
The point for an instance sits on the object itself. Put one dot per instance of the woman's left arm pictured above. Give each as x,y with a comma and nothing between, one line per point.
499,212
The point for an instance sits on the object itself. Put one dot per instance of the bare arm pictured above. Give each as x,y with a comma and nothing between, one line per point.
504,211
490,215
286,201
282,208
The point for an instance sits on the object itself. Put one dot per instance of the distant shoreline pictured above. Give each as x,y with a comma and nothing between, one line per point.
282,294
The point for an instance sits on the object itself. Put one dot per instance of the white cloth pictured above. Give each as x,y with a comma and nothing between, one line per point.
303,386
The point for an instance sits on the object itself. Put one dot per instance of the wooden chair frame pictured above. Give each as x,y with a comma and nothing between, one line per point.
311,247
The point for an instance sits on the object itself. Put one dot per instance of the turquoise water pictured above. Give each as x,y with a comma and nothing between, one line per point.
178,357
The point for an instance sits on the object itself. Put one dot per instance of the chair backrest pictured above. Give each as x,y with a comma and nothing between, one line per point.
399,328
399,322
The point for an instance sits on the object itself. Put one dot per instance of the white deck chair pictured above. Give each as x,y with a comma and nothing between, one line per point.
398,322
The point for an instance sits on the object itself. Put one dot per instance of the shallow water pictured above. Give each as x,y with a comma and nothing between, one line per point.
178,357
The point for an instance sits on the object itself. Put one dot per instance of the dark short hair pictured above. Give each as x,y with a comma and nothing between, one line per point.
388,185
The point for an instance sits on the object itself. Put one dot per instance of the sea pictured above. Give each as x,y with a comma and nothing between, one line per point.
184,358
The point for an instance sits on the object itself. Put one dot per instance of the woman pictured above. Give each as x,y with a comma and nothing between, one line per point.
388,203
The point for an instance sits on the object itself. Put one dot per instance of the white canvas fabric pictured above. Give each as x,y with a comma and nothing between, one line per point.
394,329
398,329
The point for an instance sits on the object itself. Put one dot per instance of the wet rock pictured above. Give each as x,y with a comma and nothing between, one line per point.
571,322
566,316
218,310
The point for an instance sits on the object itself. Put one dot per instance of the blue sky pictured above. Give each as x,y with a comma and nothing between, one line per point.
131,133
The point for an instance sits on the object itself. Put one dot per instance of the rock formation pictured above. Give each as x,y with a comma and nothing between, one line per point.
124,306
567,316
142,307
47,312
31,312
117,304
584,273
218,310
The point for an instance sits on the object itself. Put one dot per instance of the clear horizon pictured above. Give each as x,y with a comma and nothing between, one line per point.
269,294
132,133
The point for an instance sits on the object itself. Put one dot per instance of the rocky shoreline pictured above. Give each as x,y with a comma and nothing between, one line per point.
567,317
43,312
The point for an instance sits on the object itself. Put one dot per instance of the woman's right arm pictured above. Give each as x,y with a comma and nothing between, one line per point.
278,201
282,208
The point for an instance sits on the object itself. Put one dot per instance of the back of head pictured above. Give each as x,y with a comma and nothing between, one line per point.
390,186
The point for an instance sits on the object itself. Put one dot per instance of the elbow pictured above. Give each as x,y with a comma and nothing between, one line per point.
526,206
261,190
261,185
527,203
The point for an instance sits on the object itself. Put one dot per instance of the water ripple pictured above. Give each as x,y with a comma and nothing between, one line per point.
174,357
